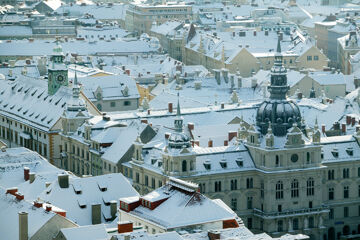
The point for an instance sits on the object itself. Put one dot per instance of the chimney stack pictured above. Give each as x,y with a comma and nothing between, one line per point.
214,235
222,105
26,173
231,135
144,121
323,128
48,208
348,119
32,177
113,209
38,204
12,191
124,227
23,226
63,180
170,107
353,121
191,126
167,135
96,213
226,143
210,143
343,128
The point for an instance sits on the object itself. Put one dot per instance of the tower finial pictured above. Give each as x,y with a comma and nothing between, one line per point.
75,79
178,113
278,49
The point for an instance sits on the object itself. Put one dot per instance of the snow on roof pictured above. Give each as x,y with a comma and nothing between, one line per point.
95,232
117,186
81,47
107,32
144,235
15,31
328,78
310,22
112,87
166,27
20,100
18,70
187,209
9,219
12,163
338,148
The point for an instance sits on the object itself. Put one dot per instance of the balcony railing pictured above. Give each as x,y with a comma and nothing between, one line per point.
291,213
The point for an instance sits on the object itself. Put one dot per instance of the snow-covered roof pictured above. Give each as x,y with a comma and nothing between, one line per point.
107,32
9,219
187,209
96,232
328,78
144,235
337,148
20,99
15,31
117,186
167,27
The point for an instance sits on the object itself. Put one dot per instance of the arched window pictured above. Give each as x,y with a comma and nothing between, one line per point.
310,187
277,161
295,188
184,166
279,190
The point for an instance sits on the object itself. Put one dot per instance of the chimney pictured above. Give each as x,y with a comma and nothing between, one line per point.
124,227
113,209
23,226
210,143
343,128
63,180
214,235
170,107
19,196
32,177
281,36
353,121
38,204
144,121
127,71
48,208
148,111
266,33
255,33
26,173
348,119
12,191
27,61
47,184
226,143
299,95
222,105
191,126
217,76
96,213
167,135
323,128
231,135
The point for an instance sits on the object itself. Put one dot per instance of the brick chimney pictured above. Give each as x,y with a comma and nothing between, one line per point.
348,119
343,128
210,143
31,177
12,191
226,143
48,207
124,227
170,107
19,196
38,204
63,180
96,213
353,121
222,105
144,121
191,126
167,135
323,128
113,209
26,173
231,135
148,112
213,235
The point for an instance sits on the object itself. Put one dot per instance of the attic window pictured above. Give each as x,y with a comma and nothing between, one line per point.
223,163
350,151
240,162
153,161
207,165
160,163
335,152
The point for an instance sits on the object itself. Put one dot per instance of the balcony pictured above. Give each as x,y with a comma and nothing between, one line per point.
291,213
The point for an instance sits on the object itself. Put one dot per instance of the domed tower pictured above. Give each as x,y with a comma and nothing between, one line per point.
280,112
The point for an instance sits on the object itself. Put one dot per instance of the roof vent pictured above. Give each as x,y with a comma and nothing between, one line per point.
350,151
240,162
335,152
207,165
223,163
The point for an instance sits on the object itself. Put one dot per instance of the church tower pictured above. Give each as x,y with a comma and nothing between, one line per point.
57,71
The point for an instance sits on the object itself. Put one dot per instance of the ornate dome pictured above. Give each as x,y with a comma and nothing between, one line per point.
281,113
179,140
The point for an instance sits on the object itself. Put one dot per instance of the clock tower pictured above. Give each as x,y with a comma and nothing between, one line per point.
57,71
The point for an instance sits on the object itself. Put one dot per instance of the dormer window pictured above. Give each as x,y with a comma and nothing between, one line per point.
160,163
335,152
240,162
350,151
223,163
153,161
207,165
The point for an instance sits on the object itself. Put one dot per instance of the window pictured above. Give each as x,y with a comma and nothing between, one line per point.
262,189
218,186
202,187
277,161
153,183
112,104
310,204
249,223
146,180
137,178
295,188
359,190
310,187
279,194
331,213
279,208
308,159
160,183
309,58
311,222
331,193
331,174
296,224
233,184
184,166
234,204
249,202
127,103
346,191
358,171
280,226
346,211
346,173
316,58
249,183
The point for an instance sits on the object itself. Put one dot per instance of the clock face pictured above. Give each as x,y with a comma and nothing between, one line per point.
60,79
294,158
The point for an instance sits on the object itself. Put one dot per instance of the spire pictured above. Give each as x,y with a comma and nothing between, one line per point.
278,49
178,113
75,79
178,122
